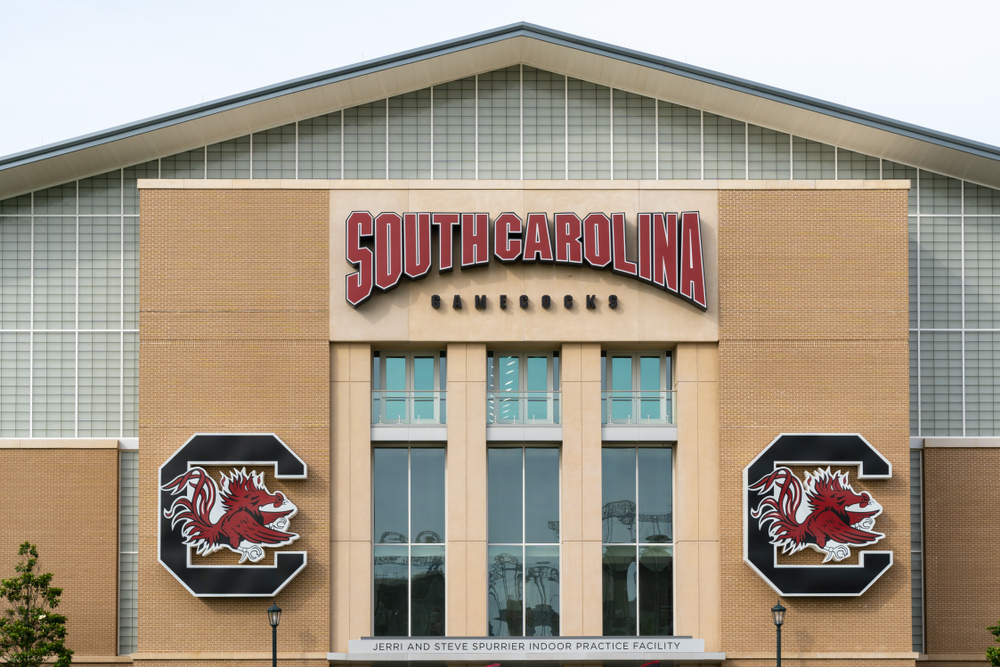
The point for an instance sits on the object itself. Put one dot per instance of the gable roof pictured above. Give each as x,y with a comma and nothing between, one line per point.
540,47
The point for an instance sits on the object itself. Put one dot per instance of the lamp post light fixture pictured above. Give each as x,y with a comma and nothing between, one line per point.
778,613
274,617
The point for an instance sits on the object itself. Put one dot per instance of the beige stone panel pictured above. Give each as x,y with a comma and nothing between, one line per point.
341,609
510,199
457,569
687,582
571,503
686,362
476,359
590,502
686,459
361,362
571,589
384,316
708,460
591,362
581,200
578,322
340,362
457,369
477,603
361,462
361,590
572,368
340,460
708,362
710,595
456,473
475,452
593,583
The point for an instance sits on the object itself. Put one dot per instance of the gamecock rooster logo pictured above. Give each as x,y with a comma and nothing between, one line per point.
832,519
242,516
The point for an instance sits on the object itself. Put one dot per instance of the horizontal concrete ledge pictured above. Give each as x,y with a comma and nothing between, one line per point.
60,443
568,658
385,433
960,442
952,657
303,184
824,655
230,655
626,433
524,433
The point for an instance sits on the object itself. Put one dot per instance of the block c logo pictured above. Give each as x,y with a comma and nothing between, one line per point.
824,514
242,516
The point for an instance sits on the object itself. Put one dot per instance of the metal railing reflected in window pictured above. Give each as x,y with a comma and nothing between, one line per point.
522,408
638,407
413,408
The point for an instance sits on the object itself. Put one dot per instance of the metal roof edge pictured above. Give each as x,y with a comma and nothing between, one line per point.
521,29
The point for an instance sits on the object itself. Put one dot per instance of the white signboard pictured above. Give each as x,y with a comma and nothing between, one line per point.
526,648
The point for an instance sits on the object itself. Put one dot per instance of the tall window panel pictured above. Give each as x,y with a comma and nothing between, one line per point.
99,382
15,272
589,108
54,385
939,194
634,136
770,154
500,124
917,548
544,124
455,129
725,148
522,388
894,171
982,383
190,164
914,383
855,166
130,278
101,195
365,141
319,146
100,271
982,272
813,160
913,263
634,388
128,552
230,159
524,598
15,383
130,191
410,135
940,383
130,389
981,201
409,550
274,153
680,142
940,272
638,555
55,273
409,388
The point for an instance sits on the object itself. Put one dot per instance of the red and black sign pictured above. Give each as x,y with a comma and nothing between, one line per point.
668,252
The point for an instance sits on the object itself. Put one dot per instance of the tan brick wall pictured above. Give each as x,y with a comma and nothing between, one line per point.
962,563
65,501
813,338
234,338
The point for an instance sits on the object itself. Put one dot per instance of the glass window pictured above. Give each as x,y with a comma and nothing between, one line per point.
409,388
544,124
500,124
409,529
589,110
522,387
634,136
523,541
637,514
634,388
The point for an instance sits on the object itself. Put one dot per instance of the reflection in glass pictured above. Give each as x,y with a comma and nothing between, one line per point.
656,591
427,494
619,591
649,386
423,388
505,591
395,384
541,591
541,495
621,385
618,494
538,380
391,597
428,591
508,380
390,494
655,494
504,495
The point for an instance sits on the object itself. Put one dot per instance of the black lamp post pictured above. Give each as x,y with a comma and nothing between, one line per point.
274,617
778,612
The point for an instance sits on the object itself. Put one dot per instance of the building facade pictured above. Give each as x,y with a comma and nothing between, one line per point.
519,347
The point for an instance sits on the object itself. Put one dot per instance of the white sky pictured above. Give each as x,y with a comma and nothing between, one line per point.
69,68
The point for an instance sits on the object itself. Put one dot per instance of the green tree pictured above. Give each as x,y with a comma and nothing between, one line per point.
993,652
29,631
